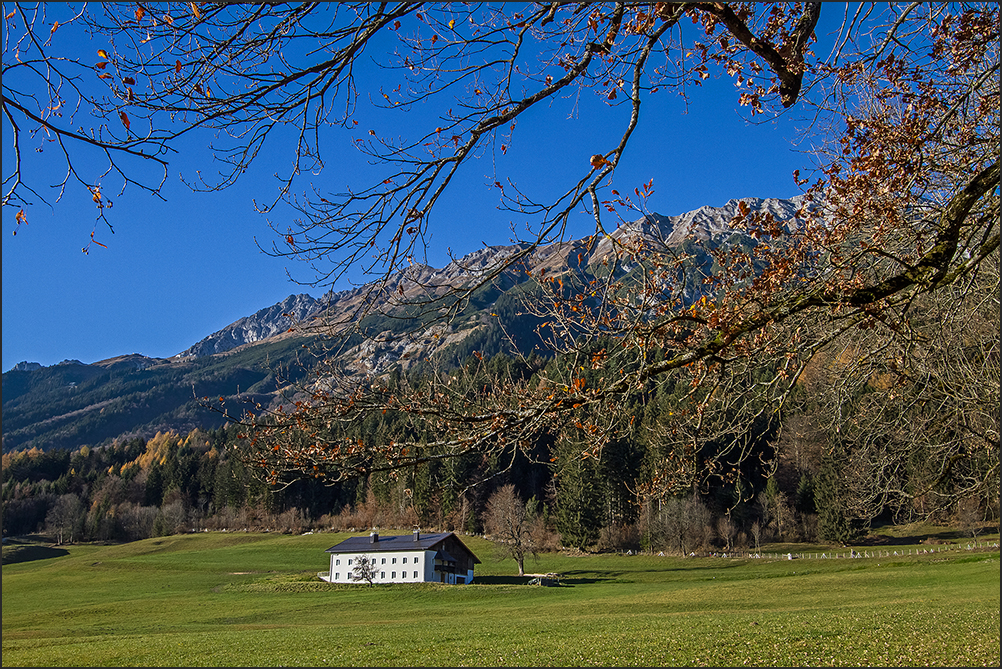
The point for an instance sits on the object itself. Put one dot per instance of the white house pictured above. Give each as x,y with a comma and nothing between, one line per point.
408,558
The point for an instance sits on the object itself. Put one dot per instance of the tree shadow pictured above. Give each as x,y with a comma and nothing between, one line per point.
932,537
501,580
576,577
30,552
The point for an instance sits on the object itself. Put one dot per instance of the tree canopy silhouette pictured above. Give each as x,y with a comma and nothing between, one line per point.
899,210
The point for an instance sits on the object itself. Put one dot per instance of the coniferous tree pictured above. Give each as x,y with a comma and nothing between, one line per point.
579,502
836,522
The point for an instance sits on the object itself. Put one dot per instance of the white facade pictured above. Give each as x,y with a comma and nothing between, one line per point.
415,558
413,566
393,567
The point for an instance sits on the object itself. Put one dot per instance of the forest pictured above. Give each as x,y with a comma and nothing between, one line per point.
793,487
842,370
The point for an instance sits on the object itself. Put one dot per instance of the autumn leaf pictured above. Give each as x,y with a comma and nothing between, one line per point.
194,10
55,27
21,217
598,160
452,24
177,66
129,81
125,119
102,65
140,13
102,53
10,16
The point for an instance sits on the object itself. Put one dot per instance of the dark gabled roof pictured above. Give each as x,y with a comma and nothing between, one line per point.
402,542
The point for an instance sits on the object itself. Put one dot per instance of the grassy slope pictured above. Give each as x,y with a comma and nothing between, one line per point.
178,601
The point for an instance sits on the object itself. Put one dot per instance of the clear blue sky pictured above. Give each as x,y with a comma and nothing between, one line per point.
175,272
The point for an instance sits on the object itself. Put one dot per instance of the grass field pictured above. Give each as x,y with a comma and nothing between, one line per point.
254,599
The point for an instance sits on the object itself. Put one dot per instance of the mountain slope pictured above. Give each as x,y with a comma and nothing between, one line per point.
260,325
72,403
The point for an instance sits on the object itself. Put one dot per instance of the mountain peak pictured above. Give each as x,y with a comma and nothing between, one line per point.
260,325
26,366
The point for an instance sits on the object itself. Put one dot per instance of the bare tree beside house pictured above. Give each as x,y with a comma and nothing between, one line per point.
507,520
364,569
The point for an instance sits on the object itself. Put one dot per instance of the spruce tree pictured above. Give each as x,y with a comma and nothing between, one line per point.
836,523
579,503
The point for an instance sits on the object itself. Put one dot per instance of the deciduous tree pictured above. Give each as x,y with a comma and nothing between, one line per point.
364,569
899,209
508,522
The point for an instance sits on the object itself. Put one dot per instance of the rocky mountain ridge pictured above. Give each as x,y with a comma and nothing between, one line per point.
294,313
257,357
260,325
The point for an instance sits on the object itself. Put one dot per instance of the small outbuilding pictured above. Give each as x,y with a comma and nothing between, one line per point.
408,558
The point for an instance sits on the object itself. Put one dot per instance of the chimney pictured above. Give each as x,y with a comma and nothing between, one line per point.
417,535
373,537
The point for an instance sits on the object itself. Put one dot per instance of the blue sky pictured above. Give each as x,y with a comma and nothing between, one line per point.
175,271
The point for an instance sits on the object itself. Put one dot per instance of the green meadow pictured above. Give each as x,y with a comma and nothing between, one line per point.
254,599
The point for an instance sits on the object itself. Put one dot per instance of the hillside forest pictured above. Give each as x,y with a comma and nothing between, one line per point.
818,371
796,487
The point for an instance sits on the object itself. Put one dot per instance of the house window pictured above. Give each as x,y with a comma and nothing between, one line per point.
415,560
373,560
349,563
336,575
337,563
415,574
394,574
394,560
405,560
384,561
382,574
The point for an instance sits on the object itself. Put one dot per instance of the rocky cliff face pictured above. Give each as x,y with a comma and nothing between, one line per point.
26,366
262,324
89,403
421,282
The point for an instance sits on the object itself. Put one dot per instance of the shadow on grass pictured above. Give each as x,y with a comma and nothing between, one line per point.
501,580
30,552
524,580
932,537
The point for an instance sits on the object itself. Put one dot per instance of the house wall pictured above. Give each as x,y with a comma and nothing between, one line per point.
390,566
464,562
